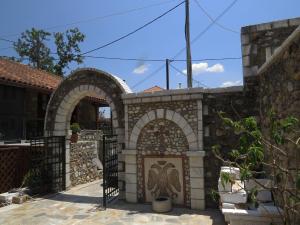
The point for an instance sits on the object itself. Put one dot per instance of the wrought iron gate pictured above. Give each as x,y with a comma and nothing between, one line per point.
110,169
47,164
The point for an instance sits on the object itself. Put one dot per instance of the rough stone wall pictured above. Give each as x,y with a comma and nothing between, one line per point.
260,41
280,84
280,91
162,137
236,104
82,168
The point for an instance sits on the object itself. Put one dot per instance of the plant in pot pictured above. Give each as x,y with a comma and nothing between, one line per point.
35,180
75,130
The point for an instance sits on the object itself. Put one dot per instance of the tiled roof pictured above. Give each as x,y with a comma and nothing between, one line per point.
23,75
153,89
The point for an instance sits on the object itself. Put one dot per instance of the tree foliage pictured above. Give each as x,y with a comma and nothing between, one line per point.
67,48
260,156
33,46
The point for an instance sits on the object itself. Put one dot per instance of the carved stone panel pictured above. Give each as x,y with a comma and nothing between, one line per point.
164,177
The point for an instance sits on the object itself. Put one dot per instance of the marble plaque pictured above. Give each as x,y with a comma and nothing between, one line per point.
164,177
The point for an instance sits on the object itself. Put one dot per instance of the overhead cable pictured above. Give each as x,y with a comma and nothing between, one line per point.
197,37
160,60
98,17
212,19
132,32
181,73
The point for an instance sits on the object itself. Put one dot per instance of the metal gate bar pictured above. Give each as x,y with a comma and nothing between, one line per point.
47,163
110,169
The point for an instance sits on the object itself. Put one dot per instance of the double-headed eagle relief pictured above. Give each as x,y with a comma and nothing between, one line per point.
163,180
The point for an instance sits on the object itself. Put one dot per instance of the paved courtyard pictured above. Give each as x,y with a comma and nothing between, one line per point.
80,206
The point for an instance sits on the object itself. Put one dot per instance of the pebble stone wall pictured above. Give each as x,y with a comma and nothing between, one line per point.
82,166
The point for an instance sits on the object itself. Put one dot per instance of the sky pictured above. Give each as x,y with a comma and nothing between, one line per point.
103,21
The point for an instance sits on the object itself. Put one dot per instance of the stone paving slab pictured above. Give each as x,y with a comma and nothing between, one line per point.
80,205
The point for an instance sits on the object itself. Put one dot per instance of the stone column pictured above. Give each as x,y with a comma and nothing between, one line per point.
130,175
200,125
67,165
197,179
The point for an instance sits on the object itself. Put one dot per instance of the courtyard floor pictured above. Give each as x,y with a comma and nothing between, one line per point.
80,206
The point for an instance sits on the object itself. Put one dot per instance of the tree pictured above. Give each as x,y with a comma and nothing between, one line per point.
260,156
67,48
33,46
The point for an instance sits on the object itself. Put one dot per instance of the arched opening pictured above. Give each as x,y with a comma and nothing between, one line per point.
79,87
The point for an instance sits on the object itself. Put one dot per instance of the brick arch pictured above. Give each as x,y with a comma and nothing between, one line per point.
163,114
79,84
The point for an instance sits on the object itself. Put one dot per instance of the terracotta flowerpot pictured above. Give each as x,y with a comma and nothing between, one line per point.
162,204
74,138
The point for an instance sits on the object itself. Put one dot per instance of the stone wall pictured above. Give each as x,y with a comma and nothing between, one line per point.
235,103
188,109
164,138
82,166
280,81
280,91
260,41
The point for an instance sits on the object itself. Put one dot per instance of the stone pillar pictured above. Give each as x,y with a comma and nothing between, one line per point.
130,175
68,170
197,179
200,125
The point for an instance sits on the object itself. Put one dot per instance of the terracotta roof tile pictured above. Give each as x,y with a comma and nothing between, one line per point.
153,89
24,75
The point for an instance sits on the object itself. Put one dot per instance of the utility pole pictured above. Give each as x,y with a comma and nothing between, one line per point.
167,74
188,46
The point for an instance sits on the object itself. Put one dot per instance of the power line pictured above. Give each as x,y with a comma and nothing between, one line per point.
134,31
209,26
180,72
161,60
4,39
196,38
99,17
123,59
212,19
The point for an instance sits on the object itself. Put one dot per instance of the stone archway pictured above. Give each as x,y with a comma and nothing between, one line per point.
190,160
79,84
168,115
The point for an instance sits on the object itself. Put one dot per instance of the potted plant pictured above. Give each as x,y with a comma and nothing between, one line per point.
75,130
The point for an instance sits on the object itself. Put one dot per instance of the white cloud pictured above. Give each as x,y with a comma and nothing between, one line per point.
203,67
140,69
217,68
231,83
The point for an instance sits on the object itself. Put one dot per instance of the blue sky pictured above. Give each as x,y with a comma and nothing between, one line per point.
161,40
